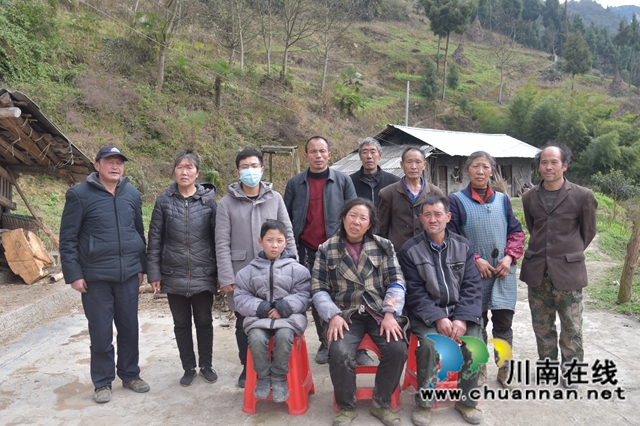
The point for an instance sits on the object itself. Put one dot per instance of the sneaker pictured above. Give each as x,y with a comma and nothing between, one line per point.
344,417
469,414
386,414
263,388
363,358
482,377
322,356
280,391
209,374
242,380
102,395
421,416
503,376
188,378
137,385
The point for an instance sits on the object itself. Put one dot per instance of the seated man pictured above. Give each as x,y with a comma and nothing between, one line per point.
443,296
358,288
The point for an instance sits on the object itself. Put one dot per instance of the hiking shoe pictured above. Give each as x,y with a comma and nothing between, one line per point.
137,385
344,417
482,377
322,356
469,414
363,358
263,388
188,378
102,395
503,376
280,391
421,416
209,374
242,380
385,414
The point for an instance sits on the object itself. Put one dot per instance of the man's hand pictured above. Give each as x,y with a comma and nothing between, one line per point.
485,268
79,285
273,314
336,325
504,266
390,326
229,288
140,278
155,285
444,326
459,327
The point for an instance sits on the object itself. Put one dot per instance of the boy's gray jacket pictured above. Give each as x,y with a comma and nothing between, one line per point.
270,280
181,249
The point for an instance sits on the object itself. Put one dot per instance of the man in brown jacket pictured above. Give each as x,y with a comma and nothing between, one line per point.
399,208
561,218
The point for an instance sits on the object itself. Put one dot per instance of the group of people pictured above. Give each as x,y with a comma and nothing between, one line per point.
371,253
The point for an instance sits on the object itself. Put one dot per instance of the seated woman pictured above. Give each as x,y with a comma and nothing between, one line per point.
358,288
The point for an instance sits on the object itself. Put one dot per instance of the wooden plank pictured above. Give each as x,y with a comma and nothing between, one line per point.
11,112
26,254
5,202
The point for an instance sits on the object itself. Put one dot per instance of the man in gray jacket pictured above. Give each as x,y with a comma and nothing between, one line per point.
239,218
102,251
313,199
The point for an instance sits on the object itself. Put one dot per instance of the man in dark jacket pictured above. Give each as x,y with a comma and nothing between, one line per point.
443,297
102,250
370,179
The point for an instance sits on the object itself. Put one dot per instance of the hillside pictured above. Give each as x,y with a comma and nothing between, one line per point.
105,92
608,18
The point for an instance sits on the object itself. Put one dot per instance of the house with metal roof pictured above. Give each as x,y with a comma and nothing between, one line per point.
446,153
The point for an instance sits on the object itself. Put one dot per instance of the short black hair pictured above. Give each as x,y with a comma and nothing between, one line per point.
411,148
306,144
274,224
432,200
374,223
565,152
246,153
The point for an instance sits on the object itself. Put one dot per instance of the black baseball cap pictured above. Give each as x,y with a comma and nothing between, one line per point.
109,151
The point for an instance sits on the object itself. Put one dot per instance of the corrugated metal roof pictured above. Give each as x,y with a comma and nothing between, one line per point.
390,161
464,143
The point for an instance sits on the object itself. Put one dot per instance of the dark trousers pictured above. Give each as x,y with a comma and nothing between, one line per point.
307,258
241,339
342,363
427,359
501,319
106,303
278,368
183,308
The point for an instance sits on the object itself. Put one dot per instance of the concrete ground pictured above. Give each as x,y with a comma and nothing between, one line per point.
44,378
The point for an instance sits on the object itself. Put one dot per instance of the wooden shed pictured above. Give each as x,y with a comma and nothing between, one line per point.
446,153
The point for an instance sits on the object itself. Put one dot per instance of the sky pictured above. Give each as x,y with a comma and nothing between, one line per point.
607,3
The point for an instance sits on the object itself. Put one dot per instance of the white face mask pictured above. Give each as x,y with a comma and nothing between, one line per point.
251,177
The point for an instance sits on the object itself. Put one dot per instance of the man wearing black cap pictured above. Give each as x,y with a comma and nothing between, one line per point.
102,251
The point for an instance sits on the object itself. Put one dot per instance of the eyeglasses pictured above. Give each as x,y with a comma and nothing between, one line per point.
250,166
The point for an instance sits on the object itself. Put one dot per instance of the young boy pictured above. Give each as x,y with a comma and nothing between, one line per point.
272,293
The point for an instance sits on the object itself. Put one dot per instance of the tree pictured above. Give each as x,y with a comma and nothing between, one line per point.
453,79
633,251
577,55
335,24
429,83
552,21
448,16
510,13
265,10
298,21
503,51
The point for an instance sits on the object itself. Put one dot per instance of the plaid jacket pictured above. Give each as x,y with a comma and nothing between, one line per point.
348,284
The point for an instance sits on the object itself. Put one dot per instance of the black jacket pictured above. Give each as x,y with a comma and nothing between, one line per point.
364,190
102,235
181,250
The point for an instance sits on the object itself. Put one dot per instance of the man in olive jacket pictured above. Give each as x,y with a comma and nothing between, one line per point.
561,218
102,251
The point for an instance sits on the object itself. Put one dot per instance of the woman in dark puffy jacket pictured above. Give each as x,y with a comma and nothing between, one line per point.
181,262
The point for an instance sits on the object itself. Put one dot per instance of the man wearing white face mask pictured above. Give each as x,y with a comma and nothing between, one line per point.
240,215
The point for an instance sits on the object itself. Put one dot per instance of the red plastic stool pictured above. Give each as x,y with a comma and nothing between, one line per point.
366,393
299,379
411,375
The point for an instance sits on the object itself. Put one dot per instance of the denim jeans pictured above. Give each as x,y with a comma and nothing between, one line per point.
106,303
427,360
342,352
278,367
181,309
